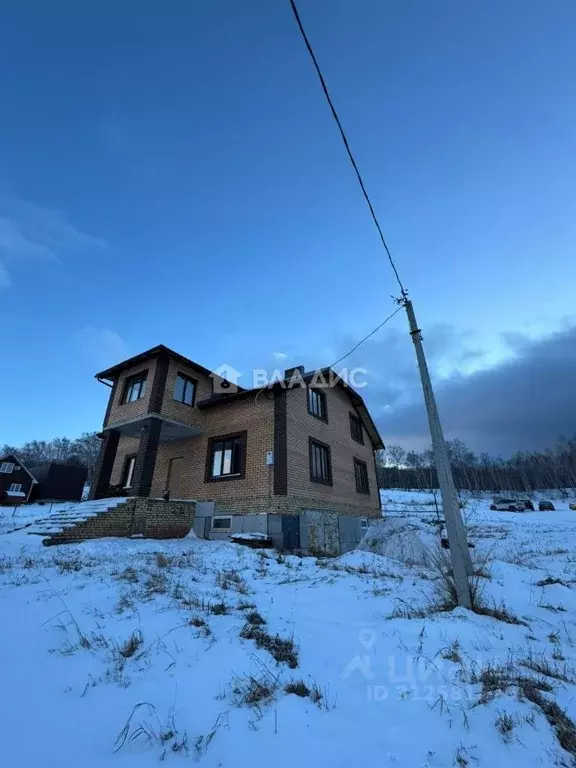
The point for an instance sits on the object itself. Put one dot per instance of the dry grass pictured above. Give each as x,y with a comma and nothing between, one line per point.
542,666
452,652
131,645
219,609
128,574
505,724
283,650
155,584
231,579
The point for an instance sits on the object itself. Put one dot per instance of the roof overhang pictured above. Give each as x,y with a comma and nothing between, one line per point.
110,374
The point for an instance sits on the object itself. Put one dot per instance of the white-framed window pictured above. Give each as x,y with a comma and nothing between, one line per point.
6,468
222,523
15,488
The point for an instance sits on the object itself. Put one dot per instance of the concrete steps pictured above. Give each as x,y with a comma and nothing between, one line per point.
68,518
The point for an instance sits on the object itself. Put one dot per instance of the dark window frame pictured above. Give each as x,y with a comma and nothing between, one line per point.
321,398
360,476
187,380
208,476
314,443
356,422
124,477
140,378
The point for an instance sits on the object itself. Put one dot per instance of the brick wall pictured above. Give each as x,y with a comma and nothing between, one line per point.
186,414
342,496
128,411
251,493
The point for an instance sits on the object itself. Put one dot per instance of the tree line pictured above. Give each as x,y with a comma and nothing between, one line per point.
81,451
396,467
525,471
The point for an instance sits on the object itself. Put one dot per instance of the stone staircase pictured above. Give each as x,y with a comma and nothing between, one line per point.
65,520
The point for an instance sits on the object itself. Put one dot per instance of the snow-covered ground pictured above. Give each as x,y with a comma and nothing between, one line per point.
123,652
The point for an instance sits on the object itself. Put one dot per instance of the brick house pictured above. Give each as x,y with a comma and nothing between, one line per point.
291,449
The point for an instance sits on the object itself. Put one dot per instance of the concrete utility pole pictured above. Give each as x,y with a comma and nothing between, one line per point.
459,552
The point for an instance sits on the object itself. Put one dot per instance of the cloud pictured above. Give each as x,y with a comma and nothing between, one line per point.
523,403
29,231
5,281
279,355
101,346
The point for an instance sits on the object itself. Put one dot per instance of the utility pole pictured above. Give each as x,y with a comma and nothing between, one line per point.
461,561
459,552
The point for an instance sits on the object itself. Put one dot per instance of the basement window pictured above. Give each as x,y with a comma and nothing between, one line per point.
222,523
15,488
6,468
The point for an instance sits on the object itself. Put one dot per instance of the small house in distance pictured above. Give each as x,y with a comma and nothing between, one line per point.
58,482
16,482
45,482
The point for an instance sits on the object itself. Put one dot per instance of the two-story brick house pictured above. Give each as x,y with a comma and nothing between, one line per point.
290,448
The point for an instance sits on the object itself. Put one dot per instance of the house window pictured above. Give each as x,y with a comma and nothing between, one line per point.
6,468
222,523
320,462
134,387
128,472
356,429
361,473
364,523
317,404
15,488
226,457
184,389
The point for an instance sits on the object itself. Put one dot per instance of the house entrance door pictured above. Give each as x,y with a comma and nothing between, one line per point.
174,482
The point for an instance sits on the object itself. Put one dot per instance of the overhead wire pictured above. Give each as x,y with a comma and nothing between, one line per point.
346,142
354,348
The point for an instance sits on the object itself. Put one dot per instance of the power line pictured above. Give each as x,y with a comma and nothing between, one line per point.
367,337
345,140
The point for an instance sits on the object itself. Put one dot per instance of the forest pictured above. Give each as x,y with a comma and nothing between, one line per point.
526,471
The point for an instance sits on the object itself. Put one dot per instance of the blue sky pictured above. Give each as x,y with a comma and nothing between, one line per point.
171,174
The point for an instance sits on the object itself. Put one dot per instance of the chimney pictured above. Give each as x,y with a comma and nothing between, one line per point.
289,372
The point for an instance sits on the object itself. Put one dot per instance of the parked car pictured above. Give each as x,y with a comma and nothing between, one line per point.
546,506
528,505
500,504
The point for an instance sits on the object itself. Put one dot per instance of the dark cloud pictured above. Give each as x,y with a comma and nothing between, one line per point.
523,403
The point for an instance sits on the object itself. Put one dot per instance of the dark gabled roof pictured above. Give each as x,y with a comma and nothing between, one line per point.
13,459
358,402
112,373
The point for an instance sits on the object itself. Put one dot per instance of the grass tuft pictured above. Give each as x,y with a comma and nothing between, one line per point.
131,645
283,650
